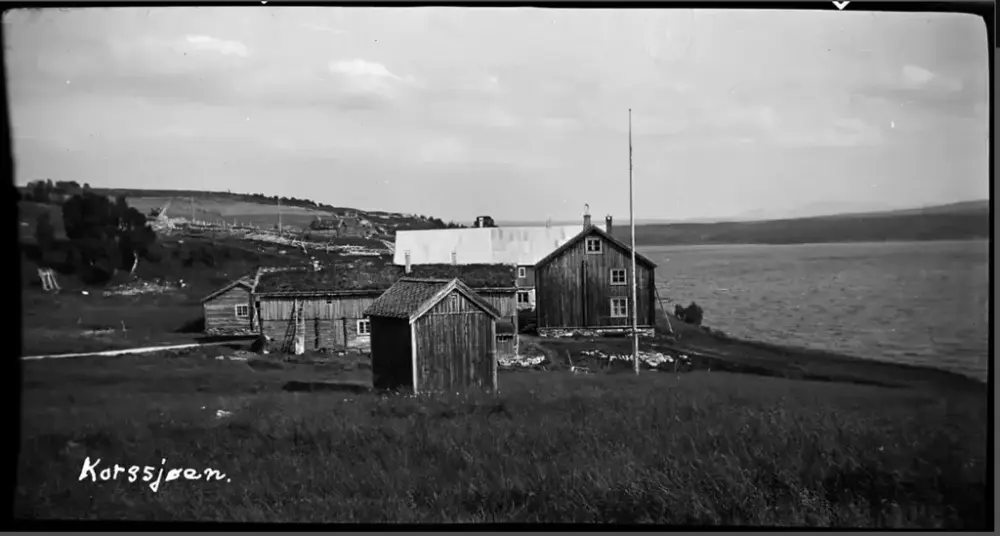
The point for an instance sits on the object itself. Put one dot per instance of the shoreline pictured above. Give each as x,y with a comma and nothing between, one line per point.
692,245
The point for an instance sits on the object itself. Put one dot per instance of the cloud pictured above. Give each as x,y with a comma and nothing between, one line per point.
360,78
222,46
913,86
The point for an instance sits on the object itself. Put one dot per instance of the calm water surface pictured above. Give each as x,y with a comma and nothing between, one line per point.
922,303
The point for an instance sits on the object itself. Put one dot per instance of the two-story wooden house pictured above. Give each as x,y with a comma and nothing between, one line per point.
585,284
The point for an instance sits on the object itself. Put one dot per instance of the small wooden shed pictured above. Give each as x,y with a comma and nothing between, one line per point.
433,335
229,310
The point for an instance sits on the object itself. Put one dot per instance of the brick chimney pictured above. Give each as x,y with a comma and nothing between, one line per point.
454,257
607,223
407,256
586,216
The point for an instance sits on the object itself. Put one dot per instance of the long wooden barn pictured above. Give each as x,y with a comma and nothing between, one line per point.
433,335
324,308
585,284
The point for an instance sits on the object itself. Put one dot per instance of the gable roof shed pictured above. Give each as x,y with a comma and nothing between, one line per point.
410,298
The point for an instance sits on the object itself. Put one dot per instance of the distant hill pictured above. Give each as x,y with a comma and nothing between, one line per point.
956,221
242,208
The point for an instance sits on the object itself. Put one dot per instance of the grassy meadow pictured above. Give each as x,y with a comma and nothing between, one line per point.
705,448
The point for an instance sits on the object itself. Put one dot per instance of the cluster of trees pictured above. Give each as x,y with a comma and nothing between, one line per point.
45,191
102,237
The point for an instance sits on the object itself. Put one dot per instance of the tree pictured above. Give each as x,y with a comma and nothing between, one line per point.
106,235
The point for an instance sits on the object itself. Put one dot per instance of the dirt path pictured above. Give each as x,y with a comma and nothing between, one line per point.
124,351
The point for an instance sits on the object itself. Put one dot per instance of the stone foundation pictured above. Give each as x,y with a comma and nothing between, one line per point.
592,332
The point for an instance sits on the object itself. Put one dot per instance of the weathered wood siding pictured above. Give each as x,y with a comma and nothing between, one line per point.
220,311
574,290
331,323
505,302
528,281
391,353
456,346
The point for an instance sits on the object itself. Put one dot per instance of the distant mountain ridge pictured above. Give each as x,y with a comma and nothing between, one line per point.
954,221
980,205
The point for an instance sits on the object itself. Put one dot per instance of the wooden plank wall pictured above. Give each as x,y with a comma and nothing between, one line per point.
506,304
331,323
391,357
528,281
220,311
456,347
574,290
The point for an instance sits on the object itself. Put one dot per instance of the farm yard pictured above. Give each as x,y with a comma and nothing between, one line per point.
714,431
693,447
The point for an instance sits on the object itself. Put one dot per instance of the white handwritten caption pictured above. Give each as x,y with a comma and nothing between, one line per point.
91,471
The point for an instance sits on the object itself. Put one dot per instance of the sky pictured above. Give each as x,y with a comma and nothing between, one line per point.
519,113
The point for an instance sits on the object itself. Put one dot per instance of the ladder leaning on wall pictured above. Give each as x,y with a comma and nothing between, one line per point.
295,332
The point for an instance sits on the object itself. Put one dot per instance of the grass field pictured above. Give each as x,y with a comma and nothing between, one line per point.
698,448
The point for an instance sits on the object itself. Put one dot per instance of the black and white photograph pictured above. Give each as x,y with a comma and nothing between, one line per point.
504,265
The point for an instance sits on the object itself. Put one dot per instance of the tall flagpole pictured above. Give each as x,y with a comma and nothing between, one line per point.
631,217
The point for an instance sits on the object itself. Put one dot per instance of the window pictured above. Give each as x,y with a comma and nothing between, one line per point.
364,327
618,276
594,246
242,311
521,272
522,297
619,307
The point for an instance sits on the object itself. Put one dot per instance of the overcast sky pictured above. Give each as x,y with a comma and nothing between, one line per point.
517,113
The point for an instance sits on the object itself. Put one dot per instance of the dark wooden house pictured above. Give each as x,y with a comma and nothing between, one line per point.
433,335
585,284
229,310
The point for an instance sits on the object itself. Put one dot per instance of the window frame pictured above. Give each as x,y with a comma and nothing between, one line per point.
522,272
525,294
624,307
624,280
593,240
236,310
363,322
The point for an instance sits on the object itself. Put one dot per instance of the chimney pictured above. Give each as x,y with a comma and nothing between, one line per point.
586,216
407,255
454,257
607,223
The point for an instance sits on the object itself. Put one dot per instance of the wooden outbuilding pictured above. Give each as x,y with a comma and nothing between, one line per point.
495,283
322,309
229,310
585,284
433,335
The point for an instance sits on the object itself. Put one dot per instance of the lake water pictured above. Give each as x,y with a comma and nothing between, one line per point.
924,303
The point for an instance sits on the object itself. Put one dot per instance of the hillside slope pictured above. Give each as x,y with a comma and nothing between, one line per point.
946,222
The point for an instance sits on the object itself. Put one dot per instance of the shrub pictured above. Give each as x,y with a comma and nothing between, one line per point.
692,314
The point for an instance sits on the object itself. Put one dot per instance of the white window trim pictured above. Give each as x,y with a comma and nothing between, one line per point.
623,281
236,310
525,294
361,322
522,272
593,239
625,313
